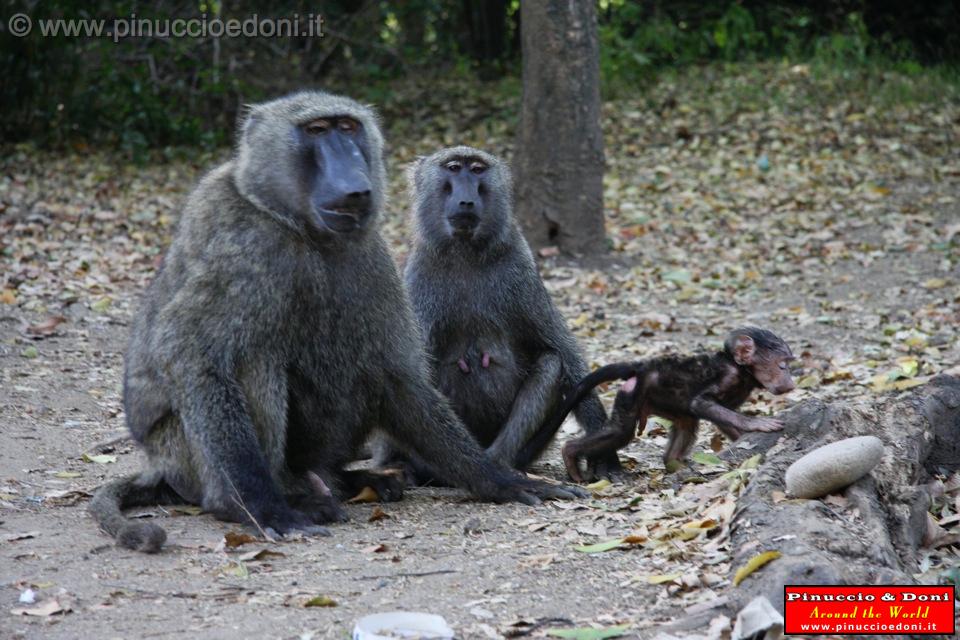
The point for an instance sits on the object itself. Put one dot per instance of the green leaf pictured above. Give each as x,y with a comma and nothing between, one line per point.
599,485
320,601
589,633
706,458
674,466
30,352
679,276
950,576
235,569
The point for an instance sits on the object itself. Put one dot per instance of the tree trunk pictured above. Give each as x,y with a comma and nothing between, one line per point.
559,160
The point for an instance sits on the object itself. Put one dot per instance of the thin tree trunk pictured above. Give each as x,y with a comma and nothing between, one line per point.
559,162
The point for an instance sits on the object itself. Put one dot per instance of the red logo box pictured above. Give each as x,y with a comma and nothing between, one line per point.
869,610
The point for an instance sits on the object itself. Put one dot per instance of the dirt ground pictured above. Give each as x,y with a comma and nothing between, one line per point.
836,224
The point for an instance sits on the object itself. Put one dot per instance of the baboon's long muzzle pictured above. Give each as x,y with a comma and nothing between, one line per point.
342,197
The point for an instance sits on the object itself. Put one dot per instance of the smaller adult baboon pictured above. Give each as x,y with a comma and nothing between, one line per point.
501,352
277,337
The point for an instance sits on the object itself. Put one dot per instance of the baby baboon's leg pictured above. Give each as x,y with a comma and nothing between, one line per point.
589,414
628,410
531,407
683,435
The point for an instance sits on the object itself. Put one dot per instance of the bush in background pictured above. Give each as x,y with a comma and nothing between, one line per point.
143,94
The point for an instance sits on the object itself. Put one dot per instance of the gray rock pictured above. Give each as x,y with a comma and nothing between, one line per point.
833,466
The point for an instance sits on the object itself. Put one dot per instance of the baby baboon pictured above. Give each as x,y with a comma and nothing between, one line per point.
685,390
501,352
277,336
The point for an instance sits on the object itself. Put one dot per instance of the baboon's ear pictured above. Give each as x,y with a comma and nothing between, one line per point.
412,169
744,350
247,120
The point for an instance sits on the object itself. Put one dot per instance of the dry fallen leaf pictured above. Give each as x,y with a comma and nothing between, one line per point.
65,497
377,514
46,608
261,554
367,494
609,545
753,564
234,539
46,328
99,459
548,252
12,537
660,579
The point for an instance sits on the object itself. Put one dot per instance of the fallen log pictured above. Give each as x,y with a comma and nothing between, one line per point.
872,532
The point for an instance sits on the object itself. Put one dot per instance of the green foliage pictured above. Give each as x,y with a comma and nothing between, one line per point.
736,33
147,94
640,40
133,94
848,48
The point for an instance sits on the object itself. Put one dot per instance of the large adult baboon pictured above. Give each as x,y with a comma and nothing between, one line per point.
277,336
501,351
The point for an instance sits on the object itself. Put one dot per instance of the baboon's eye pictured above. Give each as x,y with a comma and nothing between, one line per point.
477,167
454,166
318,127
348,125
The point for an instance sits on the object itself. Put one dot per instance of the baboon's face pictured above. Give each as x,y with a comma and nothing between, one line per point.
772,370
464,185
335,173
769,360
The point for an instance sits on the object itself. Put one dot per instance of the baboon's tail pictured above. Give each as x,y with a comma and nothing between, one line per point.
616,371
111,499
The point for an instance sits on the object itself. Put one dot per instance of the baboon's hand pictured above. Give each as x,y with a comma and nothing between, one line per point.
291,522
532,492
550,491
320,509
606,467
763,424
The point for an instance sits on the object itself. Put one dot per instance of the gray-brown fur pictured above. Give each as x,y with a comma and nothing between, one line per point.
270,346
501,352
684,389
